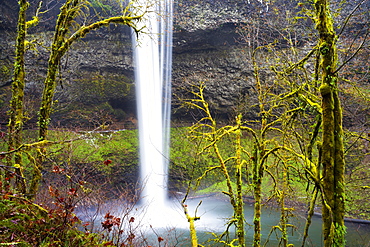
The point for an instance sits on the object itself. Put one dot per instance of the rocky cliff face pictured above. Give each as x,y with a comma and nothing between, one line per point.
98,73
205,49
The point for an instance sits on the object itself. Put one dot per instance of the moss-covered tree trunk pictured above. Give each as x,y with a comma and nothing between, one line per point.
16,104
259,152
257,192
65,19
191,220
332,136
68,12
239,207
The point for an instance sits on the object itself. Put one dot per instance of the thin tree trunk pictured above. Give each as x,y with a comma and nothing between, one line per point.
257,191
239,211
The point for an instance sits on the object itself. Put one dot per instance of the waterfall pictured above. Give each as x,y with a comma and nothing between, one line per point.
153,59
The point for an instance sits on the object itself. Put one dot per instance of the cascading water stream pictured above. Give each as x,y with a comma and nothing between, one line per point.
153,61
153,58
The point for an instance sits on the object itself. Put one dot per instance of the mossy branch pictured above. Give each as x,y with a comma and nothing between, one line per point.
205,173
36,145
35,19
191,220
311,103
81,32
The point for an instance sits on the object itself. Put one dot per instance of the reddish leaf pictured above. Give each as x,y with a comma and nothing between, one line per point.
6,196
131,237
57,169
82,182
107,225
75,219
72,192
108,216
116,221
2,135
107,162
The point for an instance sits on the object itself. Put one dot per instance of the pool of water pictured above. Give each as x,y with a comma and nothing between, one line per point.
170,224
214,214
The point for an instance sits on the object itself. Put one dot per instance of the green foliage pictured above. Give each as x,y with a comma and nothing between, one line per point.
221,186
78,165
97,147
187,164
92,155
27,224
105,154
23,223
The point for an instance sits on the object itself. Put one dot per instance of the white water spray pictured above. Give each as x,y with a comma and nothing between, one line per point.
153,58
